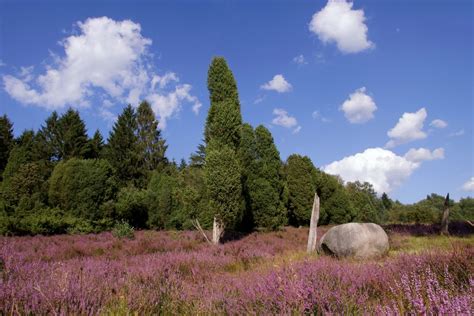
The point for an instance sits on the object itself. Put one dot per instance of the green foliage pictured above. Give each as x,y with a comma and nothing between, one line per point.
131,206
82,186
301,181
151,145
367,207
122,148
6,141
72,135
123,230
223,184
95,146
264,185
198,159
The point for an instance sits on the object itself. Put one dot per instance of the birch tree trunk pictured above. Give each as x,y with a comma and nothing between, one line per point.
313,234
445,218
217,231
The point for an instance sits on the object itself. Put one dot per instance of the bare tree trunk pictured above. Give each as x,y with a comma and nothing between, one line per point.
217,231
196,224
445,218
313,234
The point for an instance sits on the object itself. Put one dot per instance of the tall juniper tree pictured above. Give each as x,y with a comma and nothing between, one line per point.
222,136
6,141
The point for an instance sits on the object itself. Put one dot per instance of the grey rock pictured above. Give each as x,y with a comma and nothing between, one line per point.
357,240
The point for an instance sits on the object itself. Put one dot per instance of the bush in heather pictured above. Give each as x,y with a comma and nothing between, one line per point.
123,230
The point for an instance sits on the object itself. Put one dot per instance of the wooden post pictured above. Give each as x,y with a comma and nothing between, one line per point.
313,234
445,218
217,231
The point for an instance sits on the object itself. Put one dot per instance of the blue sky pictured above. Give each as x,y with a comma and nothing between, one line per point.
380,91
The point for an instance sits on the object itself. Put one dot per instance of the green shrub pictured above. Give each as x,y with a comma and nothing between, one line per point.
131,206
123,230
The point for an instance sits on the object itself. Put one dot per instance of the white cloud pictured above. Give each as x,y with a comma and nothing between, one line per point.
381,167
278,83
423,154
317,116
300,60
408,128
469,185
458,133
359,108
337,22
282,118
438,123
106,56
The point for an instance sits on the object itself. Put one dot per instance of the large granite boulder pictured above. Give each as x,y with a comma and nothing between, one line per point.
358,240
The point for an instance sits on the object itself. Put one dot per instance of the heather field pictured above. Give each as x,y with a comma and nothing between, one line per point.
261,273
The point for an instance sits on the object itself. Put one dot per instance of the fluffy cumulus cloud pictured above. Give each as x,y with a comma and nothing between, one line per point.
381,167
408,128
338,23
106,58
282,118
278,84
469,185
438,123
359,108
422,154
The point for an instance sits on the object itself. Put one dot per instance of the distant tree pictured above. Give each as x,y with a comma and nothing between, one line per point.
95,146
151,145
367,207
222,135
122,149
386,201
82,186
198,159
336,206
182,164
6,141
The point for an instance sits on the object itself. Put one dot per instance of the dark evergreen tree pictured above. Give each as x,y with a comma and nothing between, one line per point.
6,141
386,201
222,135
198,159
182,164
265,183
95,146
151,145
300,177
122,149
48,145
72,135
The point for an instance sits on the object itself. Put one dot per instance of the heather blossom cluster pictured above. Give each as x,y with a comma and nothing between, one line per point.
262,273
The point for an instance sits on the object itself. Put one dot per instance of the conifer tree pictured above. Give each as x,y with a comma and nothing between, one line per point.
72,135
151,145
301,187
48,139
222,135
6,141
122,150
95,146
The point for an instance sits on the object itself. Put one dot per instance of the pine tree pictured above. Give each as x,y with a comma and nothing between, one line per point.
72,135
122,148
198,159
95,146
222,135
49,139
6,141
151,145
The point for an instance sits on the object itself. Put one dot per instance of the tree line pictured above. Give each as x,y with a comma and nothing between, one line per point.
60,180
